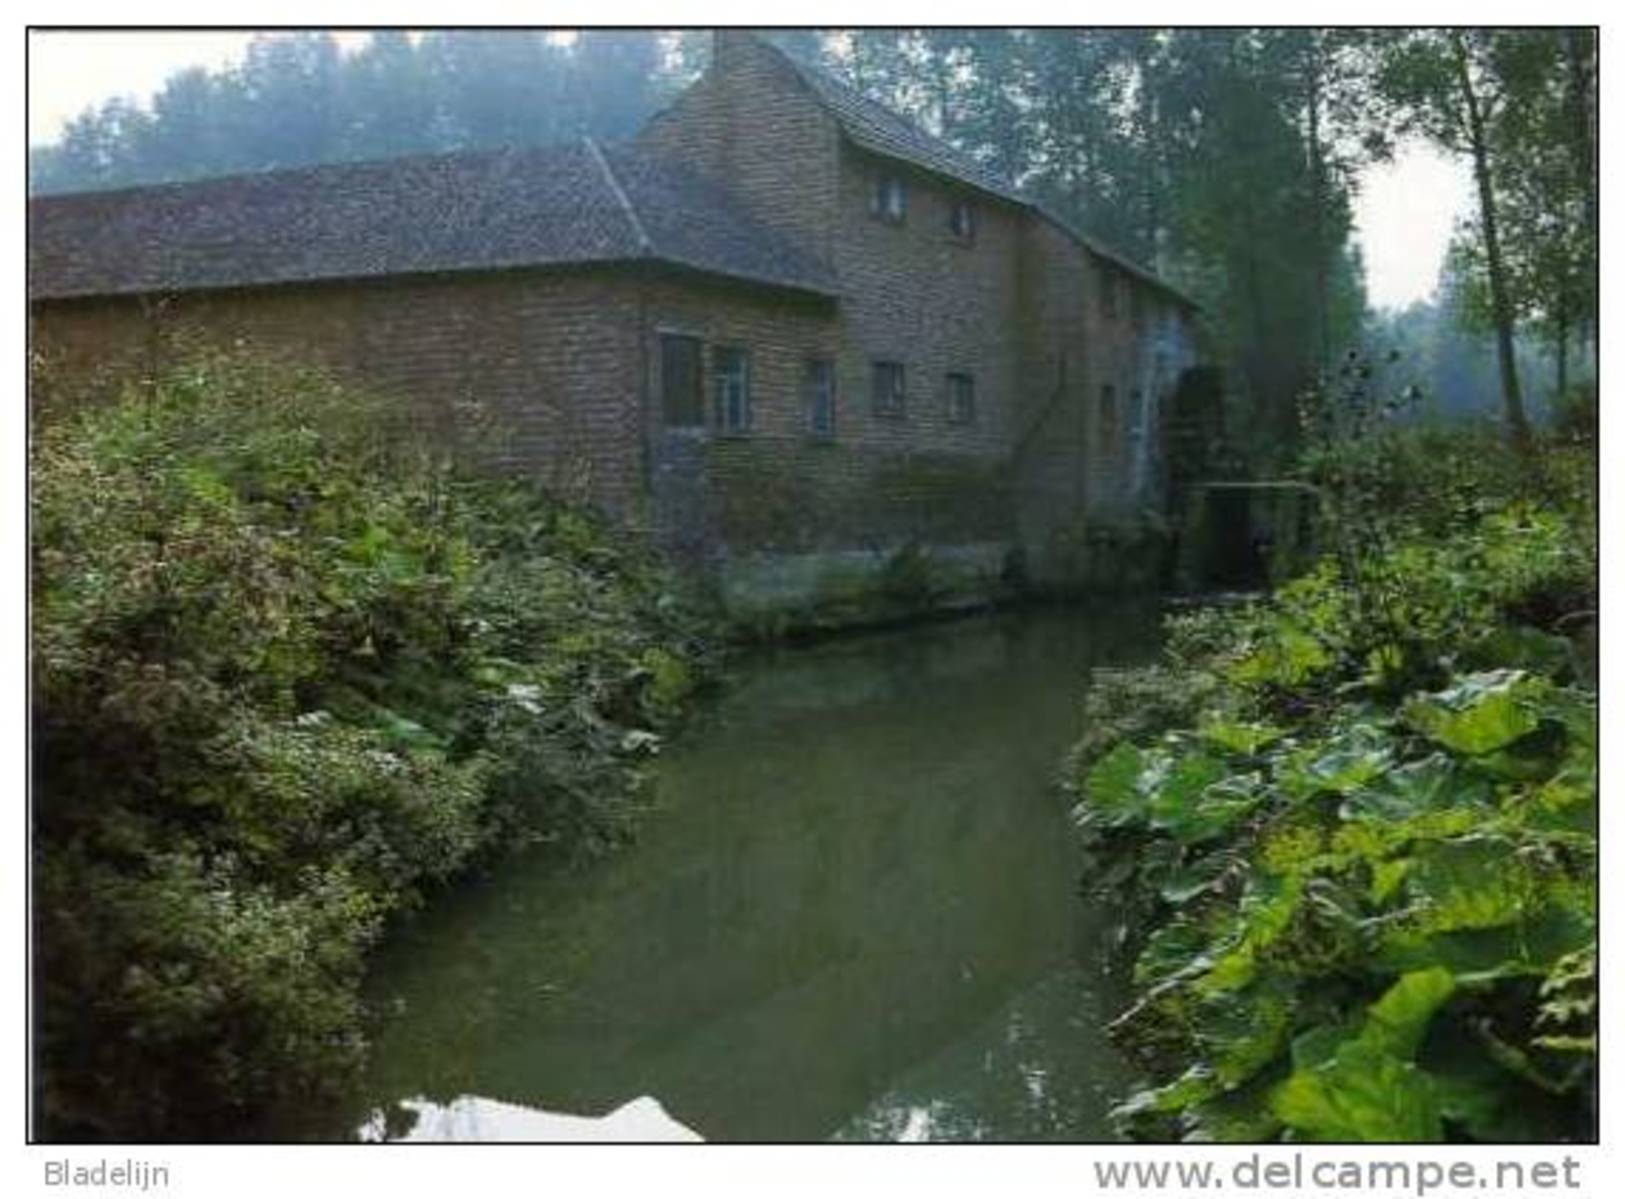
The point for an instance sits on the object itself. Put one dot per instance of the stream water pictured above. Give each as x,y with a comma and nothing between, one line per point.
855,914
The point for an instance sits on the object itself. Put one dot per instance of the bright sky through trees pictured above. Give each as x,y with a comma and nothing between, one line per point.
1405,211
1404,214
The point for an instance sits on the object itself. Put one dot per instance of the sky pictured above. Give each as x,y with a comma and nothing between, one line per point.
1404,213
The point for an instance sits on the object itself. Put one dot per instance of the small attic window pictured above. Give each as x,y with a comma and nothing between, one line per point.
962,220
887,199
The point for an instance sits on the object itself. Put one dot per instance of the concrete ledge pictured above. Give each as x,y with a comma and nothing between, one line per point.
775,593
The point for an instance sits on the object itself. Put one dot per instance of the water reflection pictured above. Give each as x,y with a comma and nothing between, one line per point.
1035,1071
854,916
471,1118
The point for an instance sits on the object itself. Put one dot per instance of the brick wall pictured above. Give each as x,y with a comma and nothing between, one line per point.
915,293
1019,308
568,364
549,361
779,487
1140,351
1052,437
751,125
911,292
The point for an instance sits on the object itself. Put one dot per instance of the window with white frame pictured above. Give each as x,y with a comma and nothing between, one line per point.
888,199
730,376
887,389
818,394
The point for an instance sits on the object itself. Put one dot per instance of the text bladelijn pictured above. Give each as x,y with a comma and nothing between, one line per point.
135,1175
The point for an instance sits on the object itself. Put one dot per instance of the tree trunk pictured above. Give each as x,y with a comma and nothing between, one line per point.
1580,91
1151,136
1561,337
1317,174
1583,137
1500,301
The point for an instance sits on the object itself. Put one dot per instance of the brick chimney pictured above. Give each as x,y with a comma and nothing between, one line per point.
730,46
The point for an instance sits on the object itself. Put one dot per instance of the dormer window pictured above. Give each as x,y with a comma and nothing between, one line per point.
887,201
962,220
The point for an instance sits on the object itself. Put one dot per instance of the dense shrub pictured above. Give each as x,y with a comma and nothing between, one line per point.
289,670
1354,823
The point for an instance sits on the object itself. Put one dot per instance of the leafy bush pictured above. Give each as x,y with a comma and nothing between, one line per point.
1356,821
289,670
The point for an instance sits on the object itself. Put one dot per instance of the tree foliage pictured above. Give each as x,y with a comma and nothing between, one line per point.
1519,105
296,99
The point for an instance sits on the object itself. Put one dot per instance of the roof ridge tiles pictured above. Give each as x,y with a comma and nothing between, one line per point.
645,245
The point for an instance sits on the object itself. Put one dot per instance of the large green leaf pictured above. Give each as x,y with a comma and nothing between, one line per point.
1266,911
1111,790
1199,876
1343,764
1362,1094
1238,736
1241,1032
1196,1084
1289,658
1369,1089
1434,783
1471,882
1396,1022
1176,793
1171,948
1480,713
1191,796
1319,1045
1483,954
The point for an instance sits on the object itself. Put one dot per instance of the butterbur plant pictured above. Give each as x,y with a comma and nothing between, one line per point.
1326,896
1353,843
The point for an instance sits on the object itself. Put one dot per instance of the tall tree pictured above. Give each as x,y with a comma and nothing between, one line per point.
1448,84
1328,69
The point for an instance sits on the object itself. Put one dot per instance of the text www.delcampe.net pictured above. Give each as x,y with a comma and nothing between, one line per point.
1299,1171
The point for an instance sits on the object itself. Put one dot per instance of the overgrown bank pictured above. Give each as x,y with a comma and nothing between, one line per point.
1357,821
291,672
